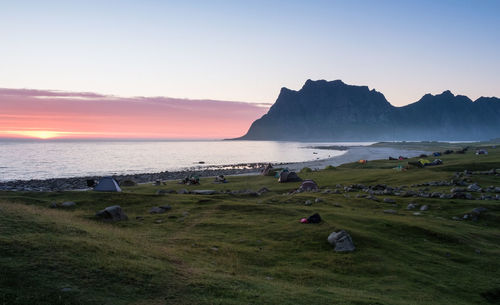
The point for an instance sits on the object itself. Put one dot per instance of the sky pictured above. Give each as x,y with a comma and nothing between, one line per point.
80,115
247,50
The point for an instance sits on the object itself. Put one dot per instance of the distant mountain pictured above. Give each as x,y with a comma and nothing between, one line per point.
334,111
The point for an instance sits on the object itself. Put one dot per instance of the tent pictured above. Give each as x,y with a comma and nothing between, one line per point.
107,184
308,185
286,176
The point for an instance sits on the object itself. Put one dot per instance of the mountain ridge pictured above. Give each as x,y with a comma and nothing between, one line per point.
335,111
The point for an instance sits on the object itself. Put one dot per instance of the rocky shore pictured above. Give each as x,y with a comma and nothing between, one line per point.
80,183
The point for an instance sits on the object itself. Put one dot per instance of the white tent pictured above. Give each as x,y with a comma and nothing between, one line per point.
107,184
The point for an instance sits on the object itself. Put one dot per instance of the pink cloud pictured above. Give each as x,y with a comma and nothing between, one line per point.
87,115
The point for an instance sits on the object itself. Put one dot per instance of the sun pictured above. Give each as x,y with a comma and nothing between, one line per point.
40,134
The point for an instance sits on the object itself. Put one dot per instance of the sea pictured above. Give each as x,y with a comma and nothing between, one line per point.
24,160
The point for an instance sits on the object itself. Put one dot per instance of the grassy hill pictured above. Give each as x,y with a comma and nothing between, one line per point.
248,249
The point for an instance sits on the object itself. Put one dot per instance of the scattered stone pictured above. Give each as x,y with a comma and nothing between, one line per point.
424,207
373,198
159,221
160,210
411,206
389,200
455,218
318,200
436,195
161,192
182,191
342,241
263,190
308,202
457,190
269,278
474,188
128,182
390,211
53,205
337,205
203,192
417,214
66,289
215,249
112,213
68,204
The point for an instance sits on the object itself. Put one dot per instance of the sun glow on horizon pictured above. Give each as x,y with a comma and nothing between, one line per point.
39,134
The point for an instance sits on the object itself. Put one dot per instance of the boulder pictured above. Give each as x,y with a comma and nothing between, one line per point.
342,241
112,213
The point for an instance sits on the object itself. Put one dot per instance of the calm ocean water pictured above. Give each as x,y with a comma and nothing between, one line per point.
50,159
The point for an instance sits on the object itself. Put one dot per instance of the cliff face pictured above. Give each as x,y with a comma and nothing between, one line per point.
334,111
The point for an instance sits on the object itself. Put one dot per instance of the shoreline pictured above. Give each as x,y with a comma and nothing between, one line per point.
352,154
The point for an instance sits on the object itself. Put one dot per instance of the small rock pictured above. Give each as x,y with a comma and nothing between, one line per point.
66,289
417,214
317,200
159,221
474,188
308,202
390,211
389,200
182,191
204,192
139,218
263,190
424,207
342,241
68,204
411,206
160,210
53,205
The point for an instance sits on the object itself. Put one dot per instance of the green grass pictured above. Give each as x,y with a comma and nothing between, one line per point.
241,249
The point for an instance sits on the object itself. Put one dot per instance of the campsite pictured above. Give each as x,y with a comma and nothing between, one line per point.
417,238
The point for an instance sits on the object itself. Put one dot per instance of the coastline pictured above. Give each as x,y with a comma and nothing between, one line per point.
352,154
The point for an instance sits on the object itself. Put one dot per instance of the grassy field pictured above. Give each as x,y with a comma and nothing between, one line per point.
243,249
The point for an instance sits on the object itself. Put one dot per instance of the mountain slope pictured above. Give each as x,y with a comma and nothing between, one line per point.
335,111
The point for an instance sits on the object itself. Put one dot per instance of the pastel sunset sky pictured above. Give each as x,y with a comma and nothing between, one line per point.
163,69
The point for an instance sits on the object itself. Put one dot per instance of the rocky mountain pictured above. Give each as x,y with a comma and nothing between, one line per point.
334,111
